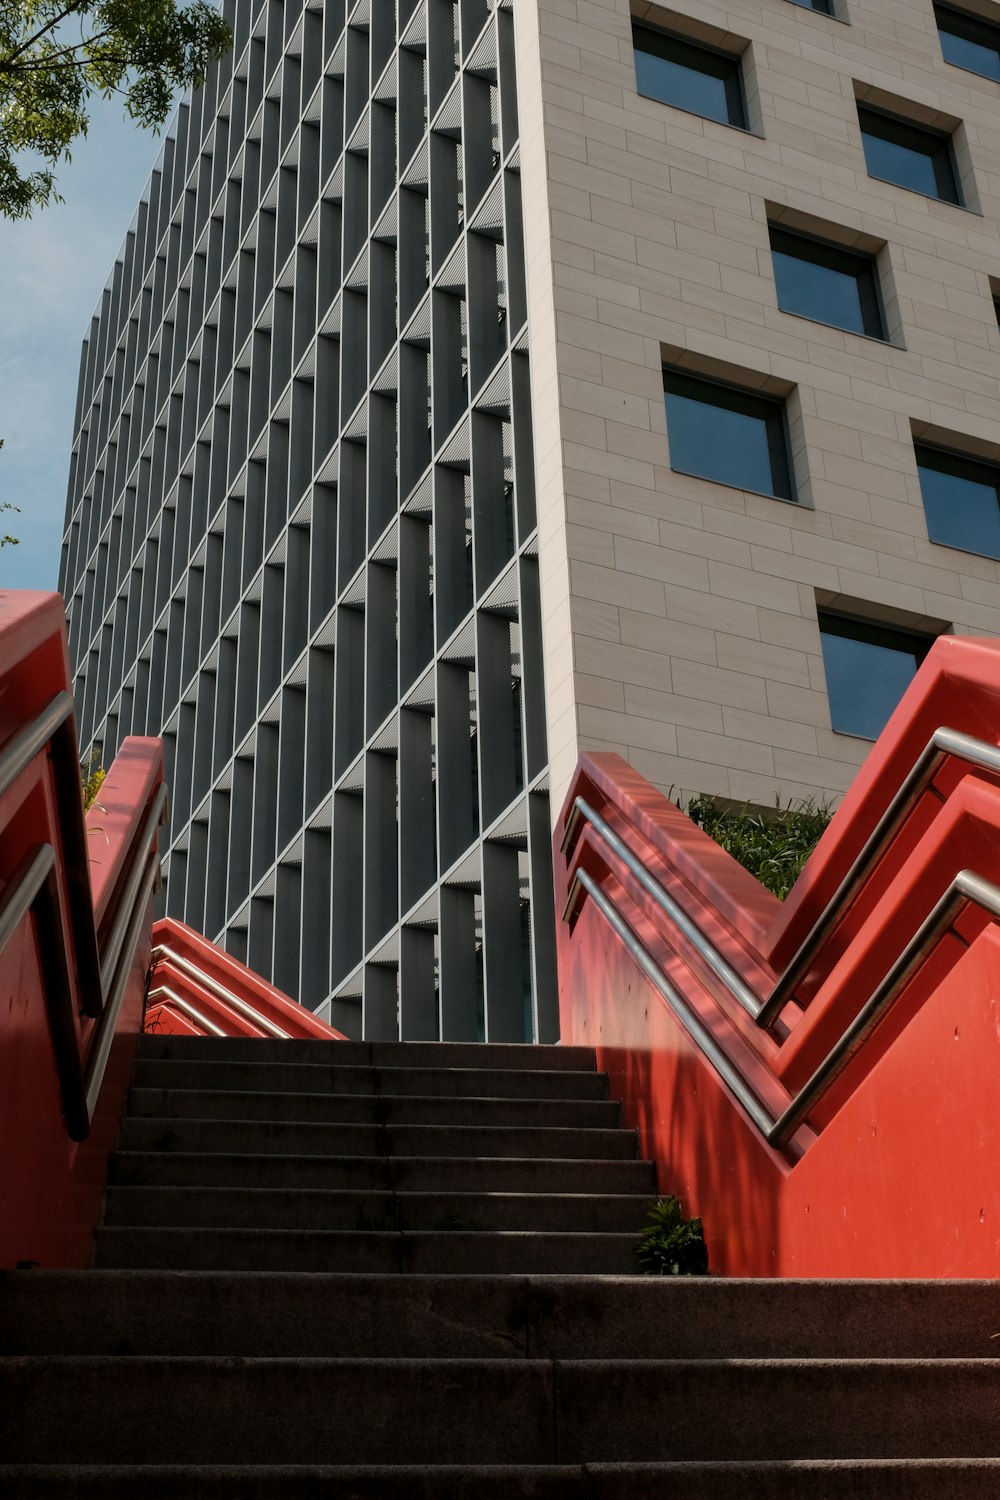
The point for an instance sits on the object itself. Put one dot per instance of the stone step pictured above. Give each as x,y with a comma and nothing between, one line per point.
303,1208
892,1479
304,1138
322,1078
454,1251
369,1109
519,1056
553,1317
486,1174
264,1411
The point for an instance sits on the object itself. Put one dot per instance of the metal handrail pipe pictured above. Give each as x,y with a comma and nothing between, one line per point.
116,936
942,743
688,1018
17,755
208,982
778,1130
33,887
187,1008
97,1060
21,890
702,944
966,887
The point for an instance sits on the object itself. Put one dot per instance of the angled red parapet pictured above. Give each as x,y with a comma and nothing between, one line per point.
816,1079
75,922
198,989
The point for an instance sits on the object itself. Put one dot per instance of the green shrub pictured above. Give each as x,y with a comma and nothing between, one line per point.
671,1245
92,776
773,846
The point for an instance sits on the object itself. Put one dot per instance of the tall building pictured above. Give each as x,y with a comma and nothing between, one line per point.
483,382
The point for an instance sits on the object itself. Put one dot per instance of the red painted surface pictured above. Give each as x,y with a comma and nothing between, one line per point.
50,1186
898,1170
228,973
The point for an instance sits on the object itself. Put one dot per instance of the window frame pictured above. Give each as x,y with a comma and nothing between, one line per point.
974,23
736,97
831,252
978,467
819,7
771,410
840,623
902,124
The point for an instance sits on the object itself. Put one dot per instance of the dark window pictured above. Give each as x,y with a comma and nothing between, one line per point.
825,7
697,79
961,500
908,155
727,435
968,41
996,308
826,283
868,669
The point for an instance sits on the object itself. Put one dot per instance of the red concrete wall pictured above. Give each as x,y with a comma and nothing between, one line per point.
50,1186
897,1172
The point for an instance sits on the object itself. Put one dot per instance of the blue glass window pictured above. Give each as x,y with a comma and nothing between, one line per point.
961,501
825,283
825,7
968,41
697,79
908,155
727,435
868,668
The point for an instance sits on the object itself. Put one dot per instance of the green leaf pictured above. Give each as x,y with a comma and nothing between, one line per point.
55,55
671,1245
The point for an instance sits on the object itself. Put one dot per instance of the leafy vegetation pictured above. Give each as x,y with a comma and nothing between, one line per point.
92,776
55,55
671,1245
5,540
772,845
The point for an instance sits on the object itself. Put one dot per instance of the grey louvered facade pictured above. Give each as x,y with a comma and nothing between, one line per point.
301,539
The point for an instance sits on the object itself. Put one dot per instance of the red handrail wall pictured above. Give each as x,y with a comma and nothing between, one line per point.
50,1186
175,945
896,1173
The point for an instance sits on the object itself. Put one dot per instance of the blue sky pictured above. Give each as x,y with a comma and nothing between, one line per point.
52,272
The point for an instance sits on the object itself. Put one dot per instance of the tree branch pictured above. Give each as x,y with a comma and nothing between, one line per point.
29,42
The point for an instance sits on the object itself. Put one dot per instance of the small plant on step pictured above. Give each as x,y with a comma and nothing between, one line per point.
671,1245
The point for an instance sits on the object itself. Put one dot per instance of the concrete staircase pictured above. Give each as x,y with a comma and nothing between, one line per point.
467,1326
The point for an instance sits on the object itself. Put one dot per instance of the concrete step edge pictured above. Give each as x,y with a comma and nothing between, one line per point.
843,1479
607,1368
517,1055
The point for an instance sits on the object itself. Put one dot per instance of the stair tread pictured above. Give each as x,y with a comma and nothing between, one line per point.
276,1409
308,1135
333,1077
523,1056
842,1479
331,1107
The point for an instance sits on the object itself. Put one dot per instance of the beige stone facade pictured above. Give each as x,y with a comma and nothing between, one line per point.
680,615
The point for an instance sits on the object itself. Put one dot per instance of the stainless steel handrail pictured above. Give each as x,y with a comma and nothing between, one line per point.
703,945
943,742
208,982
55,725
778,1130
700,1034
187,1008
100,1048
34,888
17,755
116,934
